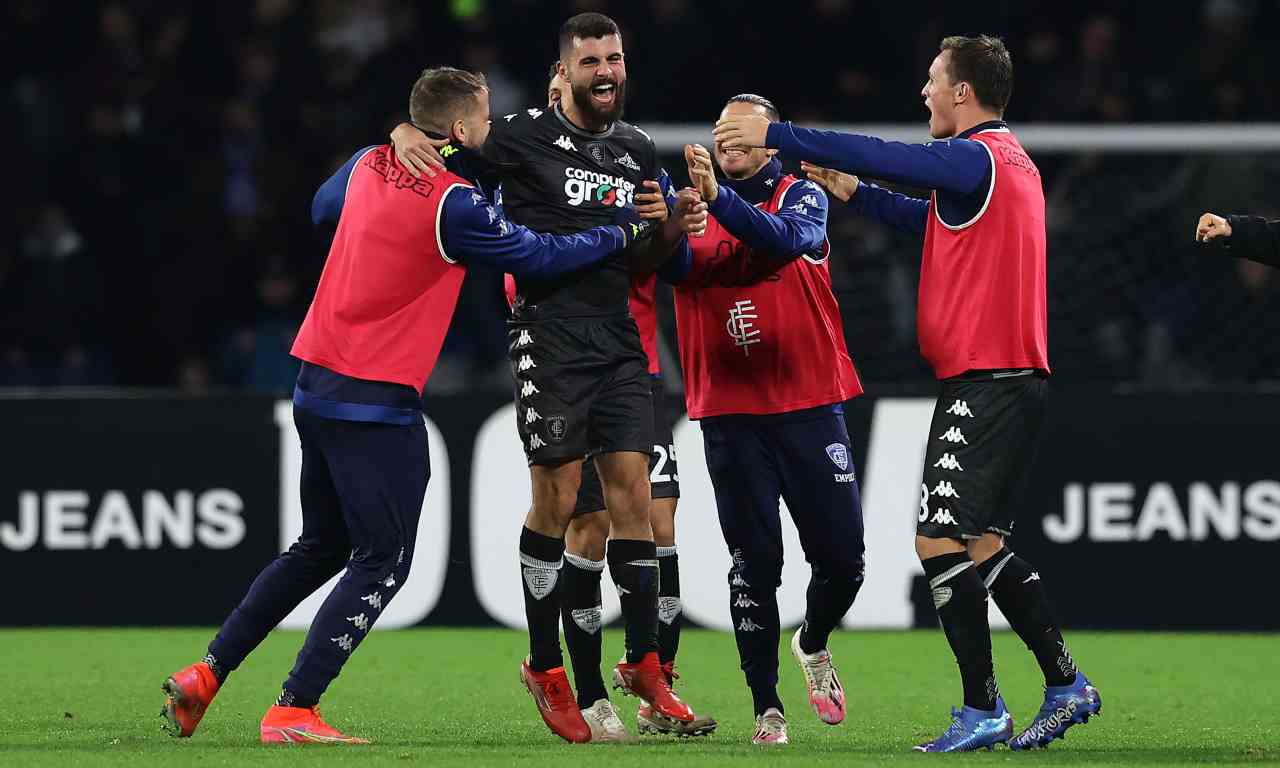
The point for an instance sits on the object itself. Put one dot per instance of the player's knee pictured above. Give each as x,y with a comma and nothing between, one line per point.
326,556
587,535
555,494
757,574
851,570
663,519
382,556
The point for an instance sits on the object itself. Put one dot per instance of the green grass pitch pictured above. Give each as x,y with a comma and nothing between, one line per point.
452,697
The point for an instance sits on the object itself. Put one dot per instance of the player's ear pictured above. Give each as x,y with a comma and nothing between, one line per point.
458,132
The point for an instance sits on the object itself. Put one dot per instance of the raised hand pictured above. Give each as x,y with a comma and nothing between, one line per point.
698,161
691,212
741,131
1211,227
419,154
651,204
839,185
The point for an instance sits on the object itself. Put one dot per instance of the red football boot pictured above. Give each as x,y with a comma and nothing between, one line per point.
647,680
187,694
556,703
301,725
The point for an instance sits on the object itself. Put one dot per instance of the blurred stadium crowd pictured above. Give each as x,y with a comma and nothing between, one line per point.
166,153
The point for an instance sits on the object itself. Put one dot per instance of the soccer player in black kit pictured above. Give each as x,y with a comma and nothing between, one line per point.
581,376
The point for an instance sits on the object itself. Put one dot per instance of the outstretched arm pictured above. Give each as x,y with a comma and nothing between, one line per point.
900,211
1248,237
476,232
951,165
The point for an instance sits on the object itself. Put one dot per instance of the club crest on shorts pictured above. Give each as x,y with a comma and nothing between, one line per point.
556,428
839,455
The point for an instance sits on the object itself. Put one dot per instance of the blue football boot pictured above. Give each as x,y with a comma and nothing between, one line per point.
1064,706
973,729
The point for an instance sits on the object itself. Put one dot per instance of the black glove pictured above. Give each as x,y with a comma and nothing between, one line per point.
634,229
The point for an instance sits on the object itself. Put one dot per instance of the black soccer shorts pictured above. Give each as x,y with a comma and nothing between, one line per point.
581,387
982,443
664,475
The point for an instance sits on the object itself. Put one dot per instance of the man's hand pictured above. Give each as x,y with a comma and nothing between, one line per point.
419,154
1212,227
839,185
698,160
651,204
690,215
741,131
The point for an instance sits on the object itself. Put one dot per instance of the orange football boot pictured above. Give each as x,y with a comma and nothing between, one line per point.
187,695
301,725
559,709
647,680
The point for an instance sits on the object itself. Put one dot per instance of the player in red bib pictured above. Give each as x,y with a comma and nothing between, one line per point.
767,372
982,326
368,344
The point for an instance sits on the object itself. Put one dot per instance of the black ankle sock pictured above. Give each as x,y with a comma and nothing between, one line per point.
633,564
290,698
961,600
1018,591
765,696
669,608
215,667
581,617
540,561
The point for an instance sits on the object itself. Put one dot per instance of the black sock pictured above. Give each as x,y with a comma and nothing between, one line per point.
765,696
540,560
961,600
669,609
581,616
633,564
827,601
288,698
215,667
1020,594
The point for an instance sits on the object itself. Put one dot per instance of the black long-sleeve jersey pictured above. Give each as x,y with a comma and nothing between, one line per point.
560,179
1254,238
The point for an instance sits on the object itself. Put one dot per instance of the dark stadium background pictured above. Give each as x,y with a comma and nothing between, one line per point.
162,158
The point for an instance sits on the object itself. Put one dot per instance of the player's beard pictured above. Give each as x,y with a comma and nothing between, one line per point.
582,98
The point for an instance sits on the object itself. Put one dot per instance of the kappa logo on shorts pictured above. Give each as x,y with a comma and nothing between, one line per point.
943,517
536,442
527,389
525,339
946,490
742,601
531,415
954,435
556,428
839,455
747,625
526,363
948,462
960,408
